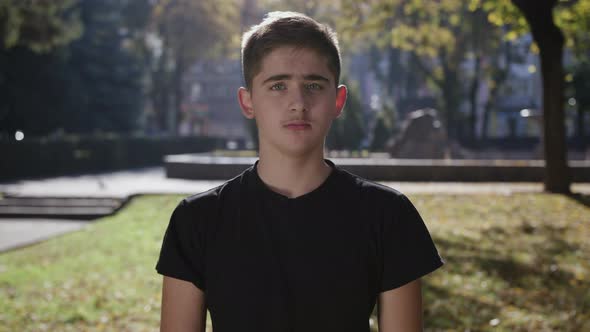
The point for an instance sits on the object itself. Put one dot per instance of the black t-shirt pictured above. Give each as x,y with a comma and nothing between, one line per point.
316,262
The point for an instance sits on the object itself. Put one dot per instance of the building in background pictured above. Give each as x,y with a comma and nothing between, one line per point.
210,107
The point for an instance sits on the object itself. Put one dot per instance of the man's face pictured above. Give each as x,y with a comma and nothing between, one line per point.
294,100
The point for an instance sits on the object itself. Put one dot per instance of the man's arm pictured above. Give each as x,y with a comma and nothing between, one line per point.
400,309
183,307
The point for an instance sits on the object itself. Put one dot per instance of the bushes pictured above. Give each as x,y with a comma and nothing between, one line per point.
70,155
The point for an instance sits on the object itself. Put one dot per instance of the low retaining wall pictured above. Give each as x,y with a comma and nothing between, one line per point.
203,167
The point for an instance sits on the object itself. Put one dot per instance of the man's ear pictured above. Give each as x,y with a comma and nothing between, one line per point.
341,94
245,100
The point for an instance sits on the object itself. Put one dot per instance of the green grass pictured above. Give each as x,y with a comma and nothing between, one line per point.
513,263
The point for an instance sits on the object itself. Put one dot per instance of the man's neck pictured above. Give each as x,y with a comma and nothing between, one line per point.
292,176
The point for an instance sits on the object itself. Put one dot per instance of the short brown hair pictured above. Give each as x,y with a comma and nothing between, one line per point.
287,29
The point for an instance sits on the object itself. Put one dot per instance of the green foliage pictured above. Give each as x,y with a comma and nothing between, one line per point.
189,31
441,35
81,66
578,89
581,85
195,29
348,131
91,84
40,26
517,262
32,91
437,38
381,134
105,91
309,8
573,17
503,13
322,11
384,128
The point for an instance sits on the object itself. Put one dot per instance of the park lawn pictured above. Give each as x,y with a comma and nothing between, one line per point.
516,262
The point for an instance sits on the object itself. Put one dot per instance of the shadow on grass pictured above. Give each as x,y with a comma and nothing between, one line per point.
451,310
523,262
502,262
447,310
583,199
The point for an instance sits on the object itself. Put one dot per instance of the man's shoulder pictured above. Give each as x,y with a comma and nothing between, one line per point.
212,198
371,190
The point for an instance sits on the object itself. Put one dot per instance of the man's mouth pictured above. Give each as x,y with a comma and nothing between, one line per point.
298,125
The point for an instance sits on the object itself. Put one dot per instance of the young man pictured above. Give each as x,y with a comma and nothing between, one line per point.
294,243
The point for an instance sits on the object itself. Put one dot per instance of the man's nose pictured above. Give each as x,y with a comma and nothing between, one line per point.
298,99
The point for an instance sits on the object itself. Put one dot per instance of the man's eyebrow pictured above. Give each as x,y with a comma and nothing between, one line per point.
278,77
310,77
315,77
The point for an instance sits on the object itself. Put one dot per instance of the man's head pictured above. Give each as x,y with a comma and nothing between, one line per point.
291,67
280,29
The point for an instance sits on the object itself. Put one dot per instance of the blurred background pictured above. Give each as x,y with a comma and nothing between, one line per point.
95,85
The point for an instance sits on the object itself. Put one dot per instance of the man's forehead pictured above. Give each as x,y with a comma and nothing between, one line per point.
295,63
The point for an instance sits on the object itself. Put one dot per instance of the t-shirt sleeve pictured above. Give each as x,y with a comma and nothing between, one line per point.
408,251
181,256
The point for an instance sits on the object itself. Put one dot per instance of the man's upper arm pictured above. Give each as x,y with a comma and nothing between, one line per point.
183,307
400,309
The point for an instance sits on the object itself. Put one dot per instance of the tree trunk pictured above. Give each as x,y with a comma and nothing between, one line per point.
581,88
499,75
451,100
160,92
178,92
549,38
580,133
473,97
477,18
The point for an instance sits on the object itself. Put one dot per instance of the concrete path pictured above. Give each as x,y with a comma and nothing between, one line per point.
114,184
16,233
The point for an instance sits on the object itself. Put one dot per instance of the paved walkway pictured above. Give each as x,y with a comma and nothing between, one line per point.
15,233
18,233
115,184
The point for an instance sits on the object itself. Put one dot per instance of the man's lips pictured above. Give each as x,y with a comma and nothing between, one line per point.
298,125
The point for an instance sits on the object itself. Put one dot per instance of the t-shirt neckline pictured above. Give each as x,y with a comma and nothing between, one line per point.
275,195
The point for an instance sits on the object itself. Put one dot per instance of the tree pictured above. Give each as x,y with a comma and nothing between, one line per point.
348,131
496,74
40,26
550,40
322,11
104,90
33,35
438,37
189,31
66,84
435,30
581,86
553,24
575,23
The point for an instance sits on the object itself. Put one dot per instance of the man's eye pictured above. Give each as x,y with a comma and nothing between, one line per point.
278,86
313,86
